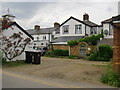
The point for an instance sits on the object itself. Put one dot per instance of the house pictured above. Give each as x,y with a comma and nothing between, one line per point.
14,40
74,29
107,28
43,36
108,32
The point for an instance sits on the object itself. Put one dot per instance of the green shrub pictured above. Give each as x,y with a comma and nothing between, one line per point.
105,51
93,39
57,52
73,57
93,56
102,34
85,39
111,77
72,42
102,59
49,53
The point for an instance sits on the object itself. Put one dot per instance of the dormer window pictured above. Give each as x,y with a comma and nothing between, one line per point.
65,29
78,29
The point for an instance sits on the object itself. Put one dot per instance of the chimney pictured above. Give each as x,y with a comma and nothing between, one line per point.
37,27
85,17
57,25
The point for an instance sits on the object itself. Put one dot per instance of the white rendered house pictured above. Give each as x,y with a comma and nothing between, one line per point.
74,29
14,40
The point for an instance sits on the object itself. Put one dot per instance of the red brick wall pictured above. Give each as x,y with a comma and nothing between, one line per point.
116,51
63,47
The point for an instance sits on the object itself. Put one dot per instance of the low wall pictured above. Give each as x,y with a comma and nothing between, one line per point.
75,50
63,47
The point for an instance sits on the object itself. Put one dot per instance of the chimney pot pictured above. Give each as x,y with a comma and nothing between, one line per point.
37,27
86,17
57,25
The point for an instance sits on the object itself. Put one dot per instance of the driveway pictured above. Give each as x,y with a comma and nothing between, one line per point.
70,70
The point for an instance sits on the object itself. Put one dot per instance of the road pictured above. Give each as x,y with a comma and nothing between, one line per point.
13,80
16,80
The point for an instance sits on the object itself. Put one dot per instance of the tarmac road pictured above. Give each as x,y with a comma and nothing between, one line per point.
17,80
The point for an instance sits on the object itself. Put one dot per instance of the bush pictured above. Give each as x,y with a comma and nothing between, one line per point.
102,34
72,42
111,77
73,57
105,51
93,39
93,56
102,58
57,52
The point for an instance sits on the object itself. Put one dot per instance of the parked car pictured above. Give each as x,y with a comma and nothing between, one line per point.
42,50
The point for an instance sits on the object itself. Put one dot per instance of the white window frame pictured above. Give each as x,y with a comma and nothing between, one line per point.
65,29
78,29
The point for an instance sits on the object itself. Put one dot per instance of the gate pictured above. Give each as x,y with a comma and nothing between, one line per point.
83,49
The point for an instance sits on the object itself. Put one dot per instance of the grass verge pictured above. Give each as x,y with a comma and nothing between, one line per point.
110,77
13,63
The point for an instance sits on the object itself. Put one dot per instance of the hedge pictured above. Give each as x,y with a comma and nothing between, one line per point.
57,52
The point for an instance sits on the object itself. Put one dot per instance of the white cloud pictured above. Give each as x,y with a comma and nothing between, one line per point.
59,12
48,13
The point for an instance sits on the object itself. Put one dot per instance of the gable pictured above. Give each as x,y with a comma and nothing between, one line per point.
13,28
70,19
88,23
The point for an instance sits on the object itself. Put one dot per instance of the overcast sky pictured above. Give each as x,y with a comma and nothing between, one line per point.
45,14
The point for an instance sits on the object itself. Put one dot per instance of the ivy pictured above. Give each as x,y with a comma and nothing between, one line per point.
72,42
91,40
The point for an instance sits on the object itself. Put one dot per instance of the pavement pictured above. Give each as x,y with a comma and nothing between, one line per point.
19,80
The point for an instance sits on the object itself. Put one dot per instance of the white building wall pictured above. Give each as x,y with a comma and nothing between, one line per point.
42,42
9,32
88,30
105,27
72,24
41,37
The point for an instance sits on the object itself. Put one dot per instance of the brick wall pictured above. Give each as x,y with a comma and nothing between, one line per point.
116,51
63,47
75,50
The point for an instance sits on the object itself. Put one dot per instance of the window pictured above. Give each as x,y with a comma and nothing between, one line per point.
37,38
66,29
78,29
41,43
93,30
44,37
